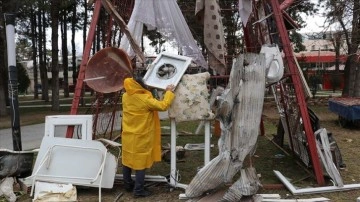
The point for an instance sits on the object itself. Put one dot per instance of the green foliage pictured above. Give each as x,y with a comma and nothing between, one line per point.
232,26
296,39
23,78
156,39
295,11
23,49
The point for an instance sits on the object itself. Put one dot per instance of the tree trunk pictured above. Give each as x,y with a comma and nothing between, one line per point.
40,47
34,52
335,78
356,43
82,101
352,73
351,64
85,23
55,4
44,55
42,65
65,54
73,48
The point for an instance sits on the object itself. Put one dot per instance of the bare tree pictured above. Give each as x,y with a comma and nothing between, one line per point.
346,15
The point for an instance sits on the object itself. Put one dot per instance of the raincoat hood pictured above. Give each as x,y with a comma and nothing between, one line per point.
133,87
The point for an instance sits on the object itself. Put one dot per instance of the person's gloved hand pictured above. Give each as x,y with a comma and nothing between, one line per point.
170,87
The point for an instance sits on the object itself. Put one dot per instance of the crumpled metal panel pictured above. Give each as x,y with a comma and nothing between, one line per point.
239,113
246,185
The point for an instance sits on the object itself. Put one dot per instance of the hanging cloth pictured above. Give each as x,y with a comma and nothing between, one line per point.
209,13
245,10
165,16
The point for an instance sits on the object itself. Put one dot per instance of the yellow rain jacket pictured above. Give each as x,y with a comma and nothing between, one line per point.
141,138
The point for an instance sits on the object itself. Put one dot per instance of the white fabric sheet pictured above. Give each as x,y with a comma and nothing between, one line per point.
245,10
166,17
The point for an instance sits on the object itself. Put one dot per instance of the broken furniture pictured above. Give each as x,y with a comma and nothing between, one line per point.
348,109
190,104
258,197
326,156
313,190
173,172
82,121
92,165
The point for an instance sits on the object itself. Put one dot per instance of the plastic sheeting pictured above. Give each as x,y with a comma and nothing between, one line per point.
245,10
46,191
6,189
166,17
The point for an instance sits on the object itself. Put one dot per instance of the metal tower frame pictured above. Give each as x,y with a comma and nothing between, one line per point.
289,58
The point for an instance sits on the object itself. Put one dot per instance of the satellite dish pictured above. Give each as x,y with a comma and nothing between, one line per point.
107,70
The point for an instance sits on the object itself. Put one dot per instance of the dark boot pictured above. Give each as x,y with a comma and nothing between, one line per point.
129,186
139,190
128,182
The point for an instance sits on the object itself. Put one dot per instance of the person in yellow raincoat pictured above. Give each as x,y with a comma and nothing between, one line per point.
141,138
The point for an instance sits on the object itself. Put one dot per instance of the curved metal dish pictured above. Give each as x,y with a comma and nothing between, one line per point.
107,70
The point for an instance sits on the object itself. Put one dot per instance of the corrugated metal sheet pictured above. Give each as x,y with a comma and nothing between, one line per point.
239,113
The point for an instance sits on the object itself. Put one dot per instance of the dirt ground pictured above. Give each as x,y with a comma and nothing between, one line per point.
347,139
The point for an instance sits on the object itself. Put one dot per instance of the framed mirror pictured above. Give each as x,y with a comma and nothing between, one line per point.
166,69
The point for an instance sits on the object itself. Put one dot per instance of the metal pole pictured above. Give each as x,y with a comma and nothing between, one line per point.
85,59
295,76
13,81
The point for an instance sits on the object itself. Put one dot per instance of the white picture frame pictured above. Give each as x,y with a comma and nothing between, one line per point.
166,69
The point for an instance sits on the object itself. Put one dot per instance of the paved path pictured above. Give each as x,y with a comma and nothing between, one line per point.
31,136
